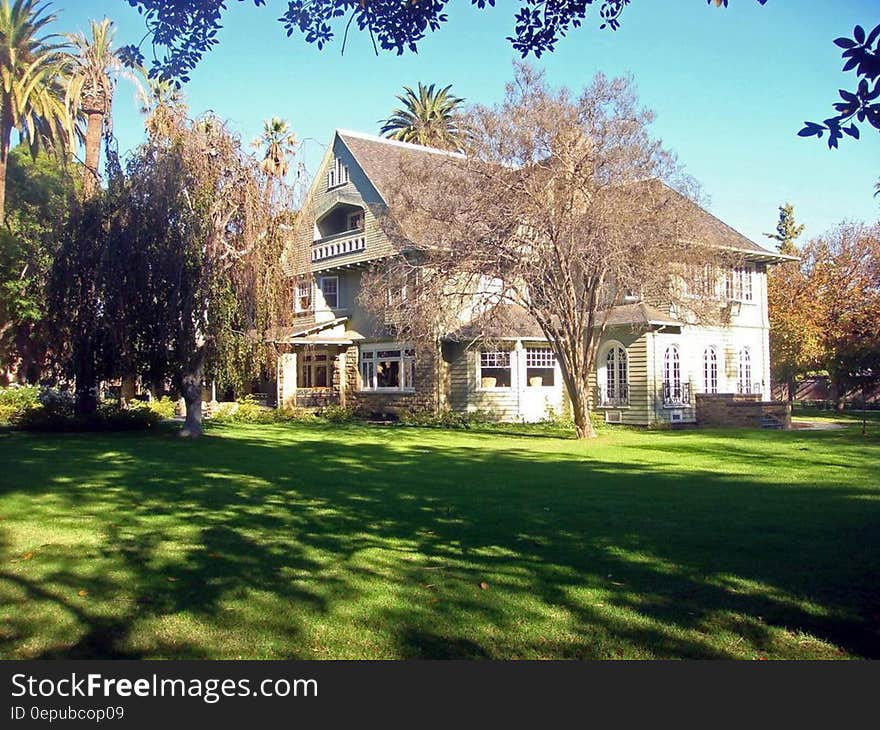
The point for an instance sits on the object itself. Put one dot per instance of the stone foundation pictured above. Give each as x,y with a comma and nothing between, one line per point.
743,410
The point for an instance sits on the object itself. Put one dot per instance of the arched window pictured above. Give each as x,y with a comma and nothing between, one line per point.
744,372
672,390
616,391
710,370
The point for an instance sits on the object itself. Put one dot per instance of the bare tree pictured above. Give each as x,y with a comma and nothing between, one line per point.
561,206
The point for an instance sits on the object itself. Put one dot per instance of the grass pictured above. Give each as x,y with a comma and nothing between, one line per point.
852,416
295,541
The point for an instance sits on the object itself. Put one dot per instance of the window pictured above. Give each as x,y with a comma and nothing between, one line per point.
330,291
337,175
494,370
303,298
746,283
701,281
674,393
540,367
710,370
315,371
616,377
355,221
744,371
391,369
738,284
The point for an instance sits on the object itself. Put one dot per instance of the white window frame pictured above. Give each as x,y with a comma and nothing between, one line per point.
540,358
368,356
738,284
337,175
321,282
496,356
710,369
616,356
304,290
744,371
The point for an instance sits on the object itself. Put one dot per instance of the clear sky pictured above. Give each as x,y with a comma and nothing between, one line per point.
730,88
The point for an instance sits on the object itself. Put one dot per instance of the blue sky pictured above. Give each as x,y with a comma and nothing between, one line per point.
730,88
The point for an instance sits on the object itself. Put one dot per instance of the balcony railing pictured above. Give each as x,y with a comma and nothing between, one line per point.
339,244
676,395
614,396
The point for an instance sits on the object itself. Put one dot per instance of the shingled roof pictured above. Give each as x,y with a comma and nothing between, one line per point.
501,322
381,160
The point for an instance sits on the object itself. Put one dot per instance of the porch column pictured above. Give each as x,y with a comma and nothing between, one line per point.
339,376
286,380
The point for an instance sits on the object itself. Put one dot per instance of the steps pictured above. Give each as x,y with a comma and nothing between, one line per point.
768,421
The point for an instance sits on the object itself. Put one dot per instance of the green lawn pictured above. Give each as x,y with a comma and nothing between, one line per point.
311,541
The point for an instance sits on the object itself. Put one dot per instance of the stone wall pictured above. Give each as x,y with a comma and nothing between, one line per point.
733,409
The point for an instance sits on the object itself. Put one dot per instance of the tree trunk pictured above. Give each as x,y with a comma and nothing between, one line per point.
4,157
128,390
838,395
791,388
191,390
583,426
91,176
86,389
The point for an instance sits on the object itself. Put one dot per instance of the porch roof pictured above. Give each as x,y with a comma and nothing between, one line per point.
315,334
636,315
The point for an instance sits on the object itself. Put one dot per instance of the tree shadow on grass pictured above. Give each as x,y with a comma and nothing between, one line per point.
317,542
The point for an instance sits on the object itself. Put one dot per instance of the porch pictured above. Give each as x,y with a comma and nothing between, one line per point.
311,369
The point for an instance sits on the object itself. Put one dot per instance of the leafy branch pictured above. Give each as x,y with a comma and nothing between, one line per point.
862,55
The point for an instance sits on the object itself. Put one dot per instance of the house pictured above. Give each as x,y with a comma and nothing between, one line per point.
650,362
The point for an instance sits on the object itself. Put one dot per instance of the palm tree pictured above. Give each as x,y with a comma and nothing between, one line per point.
161,103
94,70
279,141
427,118
32,98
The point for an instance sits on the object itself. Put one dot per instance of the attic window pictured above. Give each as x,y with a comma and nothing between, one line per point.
337,175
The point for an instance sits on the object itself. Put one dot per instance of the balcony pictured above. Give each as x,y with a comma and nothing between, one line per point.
676,395
614,396
339,244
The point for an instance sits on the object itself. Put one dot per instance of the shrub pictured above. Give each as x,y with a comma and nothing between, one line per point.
246,410
16,399
338,414
55,413
164,407
445,419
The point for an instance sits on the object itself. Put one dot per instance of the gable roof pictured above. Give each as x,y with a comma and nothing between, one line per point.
381,158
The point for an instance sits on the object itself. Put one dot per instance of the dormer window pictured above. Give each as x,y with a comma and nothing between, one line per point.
337,175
